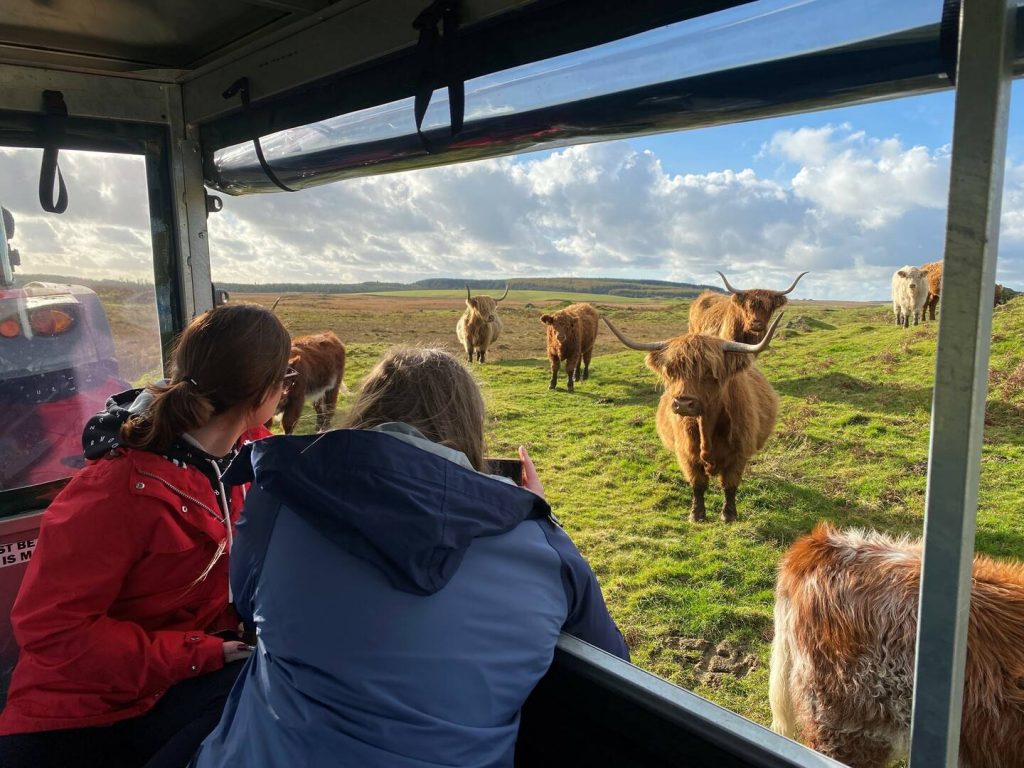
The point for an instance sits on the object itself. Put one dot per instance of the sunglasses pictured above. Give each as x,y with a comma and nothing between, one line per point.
288,380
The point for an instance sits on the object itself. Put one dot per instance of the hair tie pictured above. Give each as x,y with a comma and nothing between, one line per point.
190,379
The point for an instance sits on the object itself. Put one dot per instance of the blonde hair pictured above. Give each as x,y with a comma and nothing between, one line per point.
427,389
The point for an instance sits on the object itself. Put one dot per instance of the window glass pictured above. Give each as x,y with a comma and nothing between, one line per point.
78,315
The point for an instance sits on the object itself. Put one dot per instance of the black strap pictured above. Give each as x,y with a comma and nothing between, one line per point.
439,66
54,127
241,87
949,37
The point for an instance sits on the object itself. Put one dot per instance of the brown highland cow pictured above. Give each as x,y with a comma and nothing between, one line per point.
743,316
842,667
571,335
717,409
479,326
319,361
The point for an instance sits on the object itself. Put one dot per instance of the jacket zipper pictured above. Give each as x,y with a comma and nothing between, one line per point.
182,494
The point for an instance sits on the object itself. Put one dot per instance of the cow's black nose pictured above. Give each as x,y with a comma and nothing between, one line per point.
686,406
757,326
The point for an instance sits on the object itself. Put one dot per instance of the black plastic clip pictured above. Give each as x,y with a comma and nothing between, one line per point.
439,65
54,128
241,88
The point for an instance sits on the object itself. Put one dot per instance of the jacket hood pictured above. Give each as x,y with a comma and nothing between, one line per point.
410,510
102,434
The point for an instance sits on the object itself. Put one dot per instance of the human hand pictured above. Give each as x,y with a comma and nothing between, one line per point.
530,480
235,650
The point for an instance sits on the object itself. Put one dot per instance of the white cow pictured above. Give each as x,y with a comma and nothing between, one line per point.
909,291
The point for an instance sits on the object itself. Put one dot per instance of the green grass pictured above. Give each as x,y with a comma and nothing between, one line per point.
535,297
850,446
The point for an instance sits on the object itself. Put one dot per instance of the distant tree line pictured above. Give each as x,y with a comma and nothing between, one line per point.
637,289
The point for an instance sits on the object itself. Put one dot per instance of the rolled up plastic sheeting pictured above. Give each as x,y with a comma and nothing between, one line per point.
762,59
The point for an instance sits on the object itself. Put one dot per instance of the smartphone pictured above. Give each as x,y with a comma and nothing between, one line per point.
510,468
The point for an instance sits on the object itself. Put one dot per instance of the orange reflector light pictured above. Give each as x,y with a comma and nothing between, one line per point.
10,327
50,322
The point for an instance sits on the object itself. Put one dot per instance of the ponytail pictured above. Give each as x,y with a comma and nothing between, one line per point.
176,408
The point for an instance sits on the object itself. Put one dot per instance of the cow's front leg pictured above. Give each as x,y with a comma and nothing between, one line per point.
481,355
729,506
698,513
555,363
469,354
572,372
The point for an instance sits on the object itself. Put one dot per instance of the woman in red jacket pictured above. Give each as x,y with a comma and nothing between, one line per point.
128,641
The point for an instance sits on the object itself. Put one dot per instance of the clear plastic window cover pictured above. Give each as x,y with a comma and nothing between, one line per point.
530,107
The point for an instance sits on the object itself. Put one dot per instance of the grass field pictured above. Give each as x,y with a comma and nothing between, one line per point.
695,600
540,298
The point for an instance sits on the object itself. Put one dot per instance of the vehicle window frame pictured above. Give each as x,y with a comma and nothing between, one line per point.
152,143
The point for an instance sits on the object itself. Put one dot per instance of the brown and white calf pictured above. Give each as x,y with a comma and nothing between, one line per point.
319,361
717,410
479,326
842,666
571,333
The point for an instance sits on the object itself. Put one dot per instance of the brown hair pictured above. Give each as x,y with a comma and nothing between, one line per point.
232,355
427,389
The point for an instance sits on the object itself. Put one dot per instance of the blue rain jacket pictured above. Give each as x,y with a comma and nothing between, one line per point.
405,606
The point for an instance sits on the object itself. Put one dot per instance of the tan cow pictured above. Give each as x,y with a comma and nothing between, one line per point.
717,410
479,326
842,666
743,316
571,333
933,272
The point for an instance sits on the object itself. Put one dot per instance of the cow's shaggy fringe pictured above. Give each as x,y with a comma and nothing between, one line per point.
842,659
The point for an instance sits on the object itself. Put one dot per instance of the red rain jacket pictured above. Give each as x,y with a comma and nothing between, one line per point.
128,581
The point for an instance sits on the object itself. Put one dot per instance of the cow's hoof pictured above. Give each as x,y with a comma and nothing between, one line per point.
728,515
551,386
697,517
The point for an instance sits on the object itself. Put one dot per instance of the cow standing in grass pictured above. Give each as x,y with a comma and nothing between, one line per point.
933,274
479,326
571,333
318,363
909,293
717,410
742,316
842,665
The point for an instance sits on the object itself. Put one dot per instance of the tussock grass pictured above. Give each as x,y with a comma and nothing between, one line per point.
850,446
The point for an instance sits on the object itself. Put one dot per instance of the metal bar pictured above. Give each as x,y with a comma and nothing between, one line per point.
189,211
87,95
291,6
961,378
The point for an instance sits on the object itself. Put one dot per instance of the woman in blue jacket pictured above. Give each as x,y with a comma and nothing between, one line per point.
405,602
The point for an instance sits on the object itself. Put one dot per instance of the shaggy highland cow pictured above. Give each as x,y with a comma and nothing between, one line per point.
571,333
319,362
842,666
479,326
909,291
743,316
717,409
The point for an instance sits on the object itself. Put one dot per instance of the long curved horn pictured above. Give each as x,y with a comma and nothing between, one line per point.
651,346
274,305
504,294
729,287
467,293
739,346
783,293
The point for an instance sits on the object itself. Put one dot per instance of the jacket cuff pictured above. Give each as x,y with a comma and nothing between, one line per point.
205,654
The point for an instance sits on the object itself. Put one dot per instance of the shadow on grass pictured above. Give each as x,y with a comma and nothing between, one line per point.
836,387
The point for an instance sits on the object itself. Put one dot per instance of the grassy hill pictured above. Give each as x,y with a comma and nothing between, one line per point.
851,446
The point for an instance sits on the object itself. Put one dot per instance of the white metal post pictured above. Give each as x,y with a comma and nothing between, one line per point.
190,210
961,377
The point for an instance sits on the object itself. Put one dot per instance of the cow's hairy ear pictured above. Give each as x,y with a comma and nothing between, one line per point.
546,319
471,303
739,298
656,361
901,273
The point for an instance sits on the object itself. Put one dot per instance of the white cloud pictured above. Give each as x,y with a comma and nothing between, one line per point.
848,206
